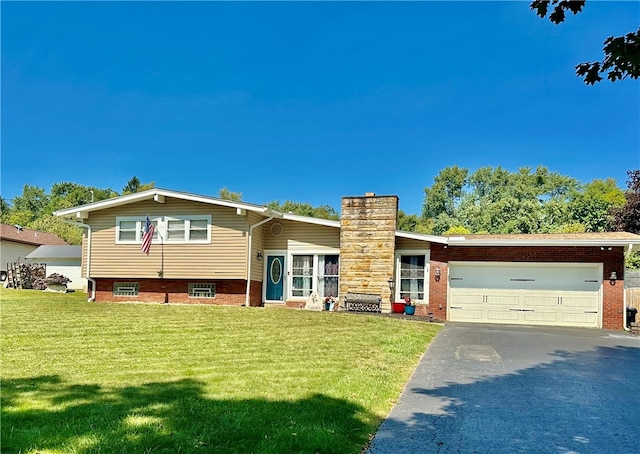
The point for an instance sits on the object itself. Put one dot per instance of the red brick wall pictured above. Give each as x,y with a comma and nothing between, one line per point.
612,260
228,292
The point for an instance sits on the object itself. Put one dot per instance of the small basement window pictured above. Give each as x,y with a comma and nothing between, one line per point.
126,289
202,290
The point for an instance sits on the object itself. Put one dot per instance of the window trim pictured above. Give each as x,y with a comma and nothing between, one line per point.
315,271
398,272
162,223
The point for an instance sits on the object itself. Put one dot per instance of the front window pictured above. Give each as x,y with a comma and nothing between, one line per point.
170,229
328,272
175,229
302,275
412,274
314,273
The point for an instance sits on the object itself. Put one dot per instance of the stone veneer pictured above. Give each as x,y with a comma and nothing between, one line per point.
367,245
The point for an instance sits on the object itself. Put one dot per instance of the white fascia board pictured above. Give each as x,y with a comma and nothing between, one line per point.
421,237
311,220
158,194
460,241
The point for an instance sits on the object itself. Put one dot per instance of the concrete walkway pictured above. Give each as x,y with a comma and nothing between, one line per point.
517,389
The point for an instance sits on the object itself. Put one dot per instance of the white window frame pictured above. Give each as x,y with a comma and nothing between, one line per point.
314,275
398,276
187,228
162,223
140,223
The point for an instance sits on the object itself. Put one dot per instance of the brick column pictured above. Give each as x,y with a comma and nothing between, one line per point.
367,245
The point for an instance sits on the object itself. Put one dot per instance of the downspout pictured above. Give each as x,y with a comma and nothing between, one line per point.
624,292
93,282
246,299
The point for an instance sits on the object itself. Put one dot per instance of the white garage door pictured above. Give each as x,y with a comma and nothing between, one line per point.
525,293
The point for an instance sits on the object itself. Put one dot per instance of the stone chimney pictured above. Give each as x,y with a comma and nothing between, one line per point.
367,245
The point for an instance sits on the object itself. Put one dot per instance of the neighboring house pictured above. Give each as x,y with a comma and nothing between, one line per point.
65,260
209,250
16,242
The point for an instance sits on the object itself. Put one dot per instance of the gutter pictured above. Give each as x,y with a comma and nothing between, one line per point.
246,299
93,282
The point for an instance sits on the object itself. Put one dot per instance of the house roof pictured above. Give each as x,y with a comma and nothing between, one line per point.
158,195
19,234
603,239
58,252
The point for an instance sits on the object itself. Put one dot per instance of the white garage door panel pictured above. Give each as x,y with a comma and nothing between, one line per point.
504,316
537,294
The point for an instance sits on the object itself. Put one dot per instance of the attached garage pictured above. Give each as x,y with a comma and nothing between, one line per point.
561,294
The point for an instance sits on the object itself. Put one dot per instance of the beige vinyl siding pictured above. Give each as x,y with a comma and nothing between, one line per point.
408,243
224,258
256,246
300,236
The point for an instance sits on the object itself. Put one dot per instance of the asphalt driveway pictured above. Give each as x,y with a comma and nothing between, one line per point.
515,389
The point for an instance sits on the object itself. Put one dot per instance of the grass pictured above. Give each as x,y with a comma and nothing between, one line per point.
82,377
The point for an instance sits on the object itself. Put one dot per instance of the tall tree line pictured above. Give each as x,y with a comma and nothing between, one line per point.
460,201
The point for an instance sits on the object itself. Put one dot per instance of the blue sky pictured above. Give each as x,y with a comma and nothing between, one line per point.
307,101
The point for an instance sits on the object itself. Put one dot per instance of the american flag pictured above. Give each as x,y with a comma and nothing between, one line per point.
147,236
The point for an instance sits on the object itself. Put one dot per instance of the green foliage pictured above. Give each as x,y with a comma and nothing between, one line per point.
67,195
621,54
446,192
225,194
134,185
305,209
414,223
498,201
627,217
32,204
457,230
52,224
632,261
574,227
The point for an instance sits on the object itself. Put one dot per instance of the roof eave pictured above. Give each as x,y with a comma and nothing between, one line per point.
158,194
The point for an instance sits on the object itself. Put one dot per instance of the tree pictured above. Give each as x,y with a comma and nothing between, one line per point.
5,210
225,194
67,194
627,217
593,206
134,185
445,194
52,224
32,204
621,54
305,209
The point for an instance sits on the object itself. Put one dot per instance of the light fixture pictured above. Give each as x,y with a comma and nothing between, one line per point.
437,273
259,256
613,278
392,285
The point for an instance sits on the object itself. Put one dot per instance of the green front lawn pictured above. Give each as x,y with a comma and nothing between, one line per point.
82,377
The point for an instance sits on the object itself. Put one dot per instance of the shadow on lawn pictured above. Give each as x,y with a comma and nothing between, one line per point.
170,418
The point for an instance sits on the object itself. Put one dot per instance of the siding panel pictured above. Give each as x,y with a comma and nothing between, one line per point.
224,258
298,236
